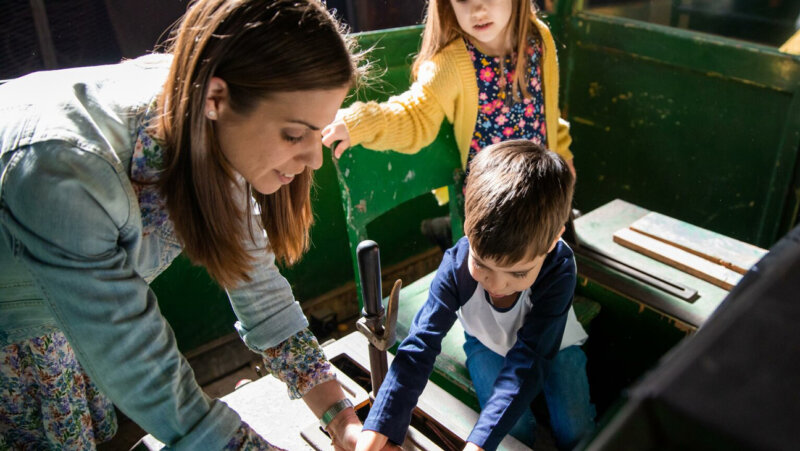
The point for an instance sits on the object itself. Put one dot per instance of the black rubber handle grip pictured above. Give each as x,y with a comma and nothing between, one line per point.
369,270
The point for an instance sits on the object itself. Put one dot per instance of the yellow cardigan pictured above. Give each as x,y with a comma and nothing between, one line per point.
446,86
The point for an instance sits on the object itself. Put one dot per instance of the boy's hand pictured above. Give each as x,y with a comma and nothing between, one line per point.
336,131
472,447
374,441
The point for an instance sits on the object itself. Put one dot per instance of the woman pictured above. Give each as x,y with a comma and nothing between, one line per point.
109,172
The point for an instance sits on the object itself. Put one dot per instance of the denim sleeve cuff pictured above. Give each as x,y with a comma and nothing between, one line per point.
273,330
214,431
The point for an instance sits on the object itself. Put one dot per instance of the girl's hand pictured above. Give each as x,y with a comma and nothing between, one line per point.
336,131
472,447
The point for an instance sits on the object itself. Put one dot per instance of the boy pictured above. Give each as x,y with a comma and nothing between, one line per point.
510,281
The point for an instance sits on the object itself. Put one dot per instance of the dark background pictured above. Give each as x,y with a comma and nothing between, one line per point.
51,34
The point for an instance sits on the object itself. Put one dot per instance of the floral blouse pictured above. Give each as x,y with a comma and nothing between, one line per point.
499,117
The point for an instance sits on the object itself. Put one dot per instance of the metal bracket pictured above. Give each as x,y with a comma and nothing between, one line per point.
387,337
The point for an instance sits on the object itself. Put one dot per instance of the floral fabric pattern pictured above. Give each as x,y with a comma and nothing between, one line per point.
47,401
246,439
499,117
146,166
299,362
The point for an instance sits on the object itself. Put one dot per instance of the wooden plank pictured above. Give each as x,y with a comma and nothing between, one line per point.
434,402
720,249
680,259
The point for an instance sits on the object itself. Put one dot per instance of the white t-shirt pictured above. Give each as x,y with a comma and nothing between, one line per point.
497,328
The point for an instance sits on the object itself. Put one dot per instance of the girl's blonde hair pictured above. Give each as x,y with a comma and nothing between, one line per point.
441,28
258,47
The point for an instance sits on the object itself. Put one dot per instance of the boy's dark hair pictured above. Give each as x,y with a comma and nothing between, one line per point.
518,197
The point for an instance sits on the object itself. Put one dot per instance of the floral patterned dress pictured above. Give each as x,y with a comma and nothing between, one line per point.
48,402
500,118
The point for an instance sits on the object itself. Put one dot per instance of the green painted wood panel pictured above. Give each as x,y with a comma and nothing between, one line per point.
701,128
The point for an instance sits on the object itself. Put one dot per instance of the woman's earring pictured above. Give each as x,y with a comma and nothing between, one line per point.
211,115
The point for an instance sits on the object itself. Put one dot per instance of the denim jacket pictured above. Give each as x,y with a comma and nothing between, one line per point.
74,256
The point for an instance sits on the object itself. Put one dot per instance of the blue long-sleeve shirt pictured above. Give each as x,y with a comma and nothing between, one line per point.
526,363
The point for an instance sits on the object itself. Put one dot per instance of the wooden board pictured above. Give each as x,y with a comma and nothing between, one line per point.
678,258
720,249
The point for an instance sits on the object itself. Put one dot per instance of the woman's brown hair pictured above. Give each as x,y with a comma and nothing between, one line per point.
258,47
441,28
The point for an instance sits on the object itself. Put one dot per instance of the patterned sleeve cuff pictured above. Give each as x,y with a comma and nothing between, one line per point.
299,362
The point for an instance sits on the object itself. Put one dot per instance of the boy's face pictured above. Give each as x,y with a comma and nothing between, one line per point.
504,282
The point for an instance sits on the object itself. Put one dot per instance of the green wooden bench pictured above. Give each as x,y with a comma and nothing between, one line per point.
372,183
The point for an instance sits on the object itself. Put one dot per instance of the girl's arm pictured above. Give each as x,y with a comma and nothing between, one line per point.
406,122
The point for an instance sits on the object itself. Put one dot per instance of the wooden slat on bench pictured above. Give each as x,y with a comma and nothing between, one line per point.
678,258
720,249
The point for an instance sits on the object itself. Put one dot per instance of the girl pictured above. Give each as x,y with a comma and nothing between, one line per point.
107,173
488,66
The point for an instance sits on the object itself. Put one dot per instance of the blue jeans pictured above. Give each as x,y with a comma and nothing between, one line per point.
566,391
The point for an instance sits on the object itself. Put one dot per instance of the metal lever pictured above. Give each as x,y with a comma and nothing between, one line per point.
389,336
380,336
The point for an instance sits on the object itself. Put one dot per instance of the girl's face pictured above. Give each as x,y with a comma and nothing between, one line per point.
486,22
279,139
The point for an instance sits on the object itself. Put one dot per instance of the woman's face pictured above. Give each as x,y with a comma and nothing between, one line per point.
279,139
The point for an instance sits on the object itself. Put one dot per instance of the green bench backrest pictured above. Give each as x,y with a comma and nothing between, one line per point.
372,183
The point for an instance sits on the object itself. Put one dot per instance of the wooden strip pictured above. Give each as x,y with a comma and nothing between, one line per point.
720,249
680,259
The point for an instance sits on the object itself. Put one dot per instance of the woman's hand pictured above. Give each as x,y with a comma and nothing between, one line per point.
345,427
375,441
336,131
344,430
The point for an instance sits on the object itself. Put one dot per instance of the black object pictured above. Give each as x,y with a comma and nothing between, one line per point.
438,231
734,384
369,270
